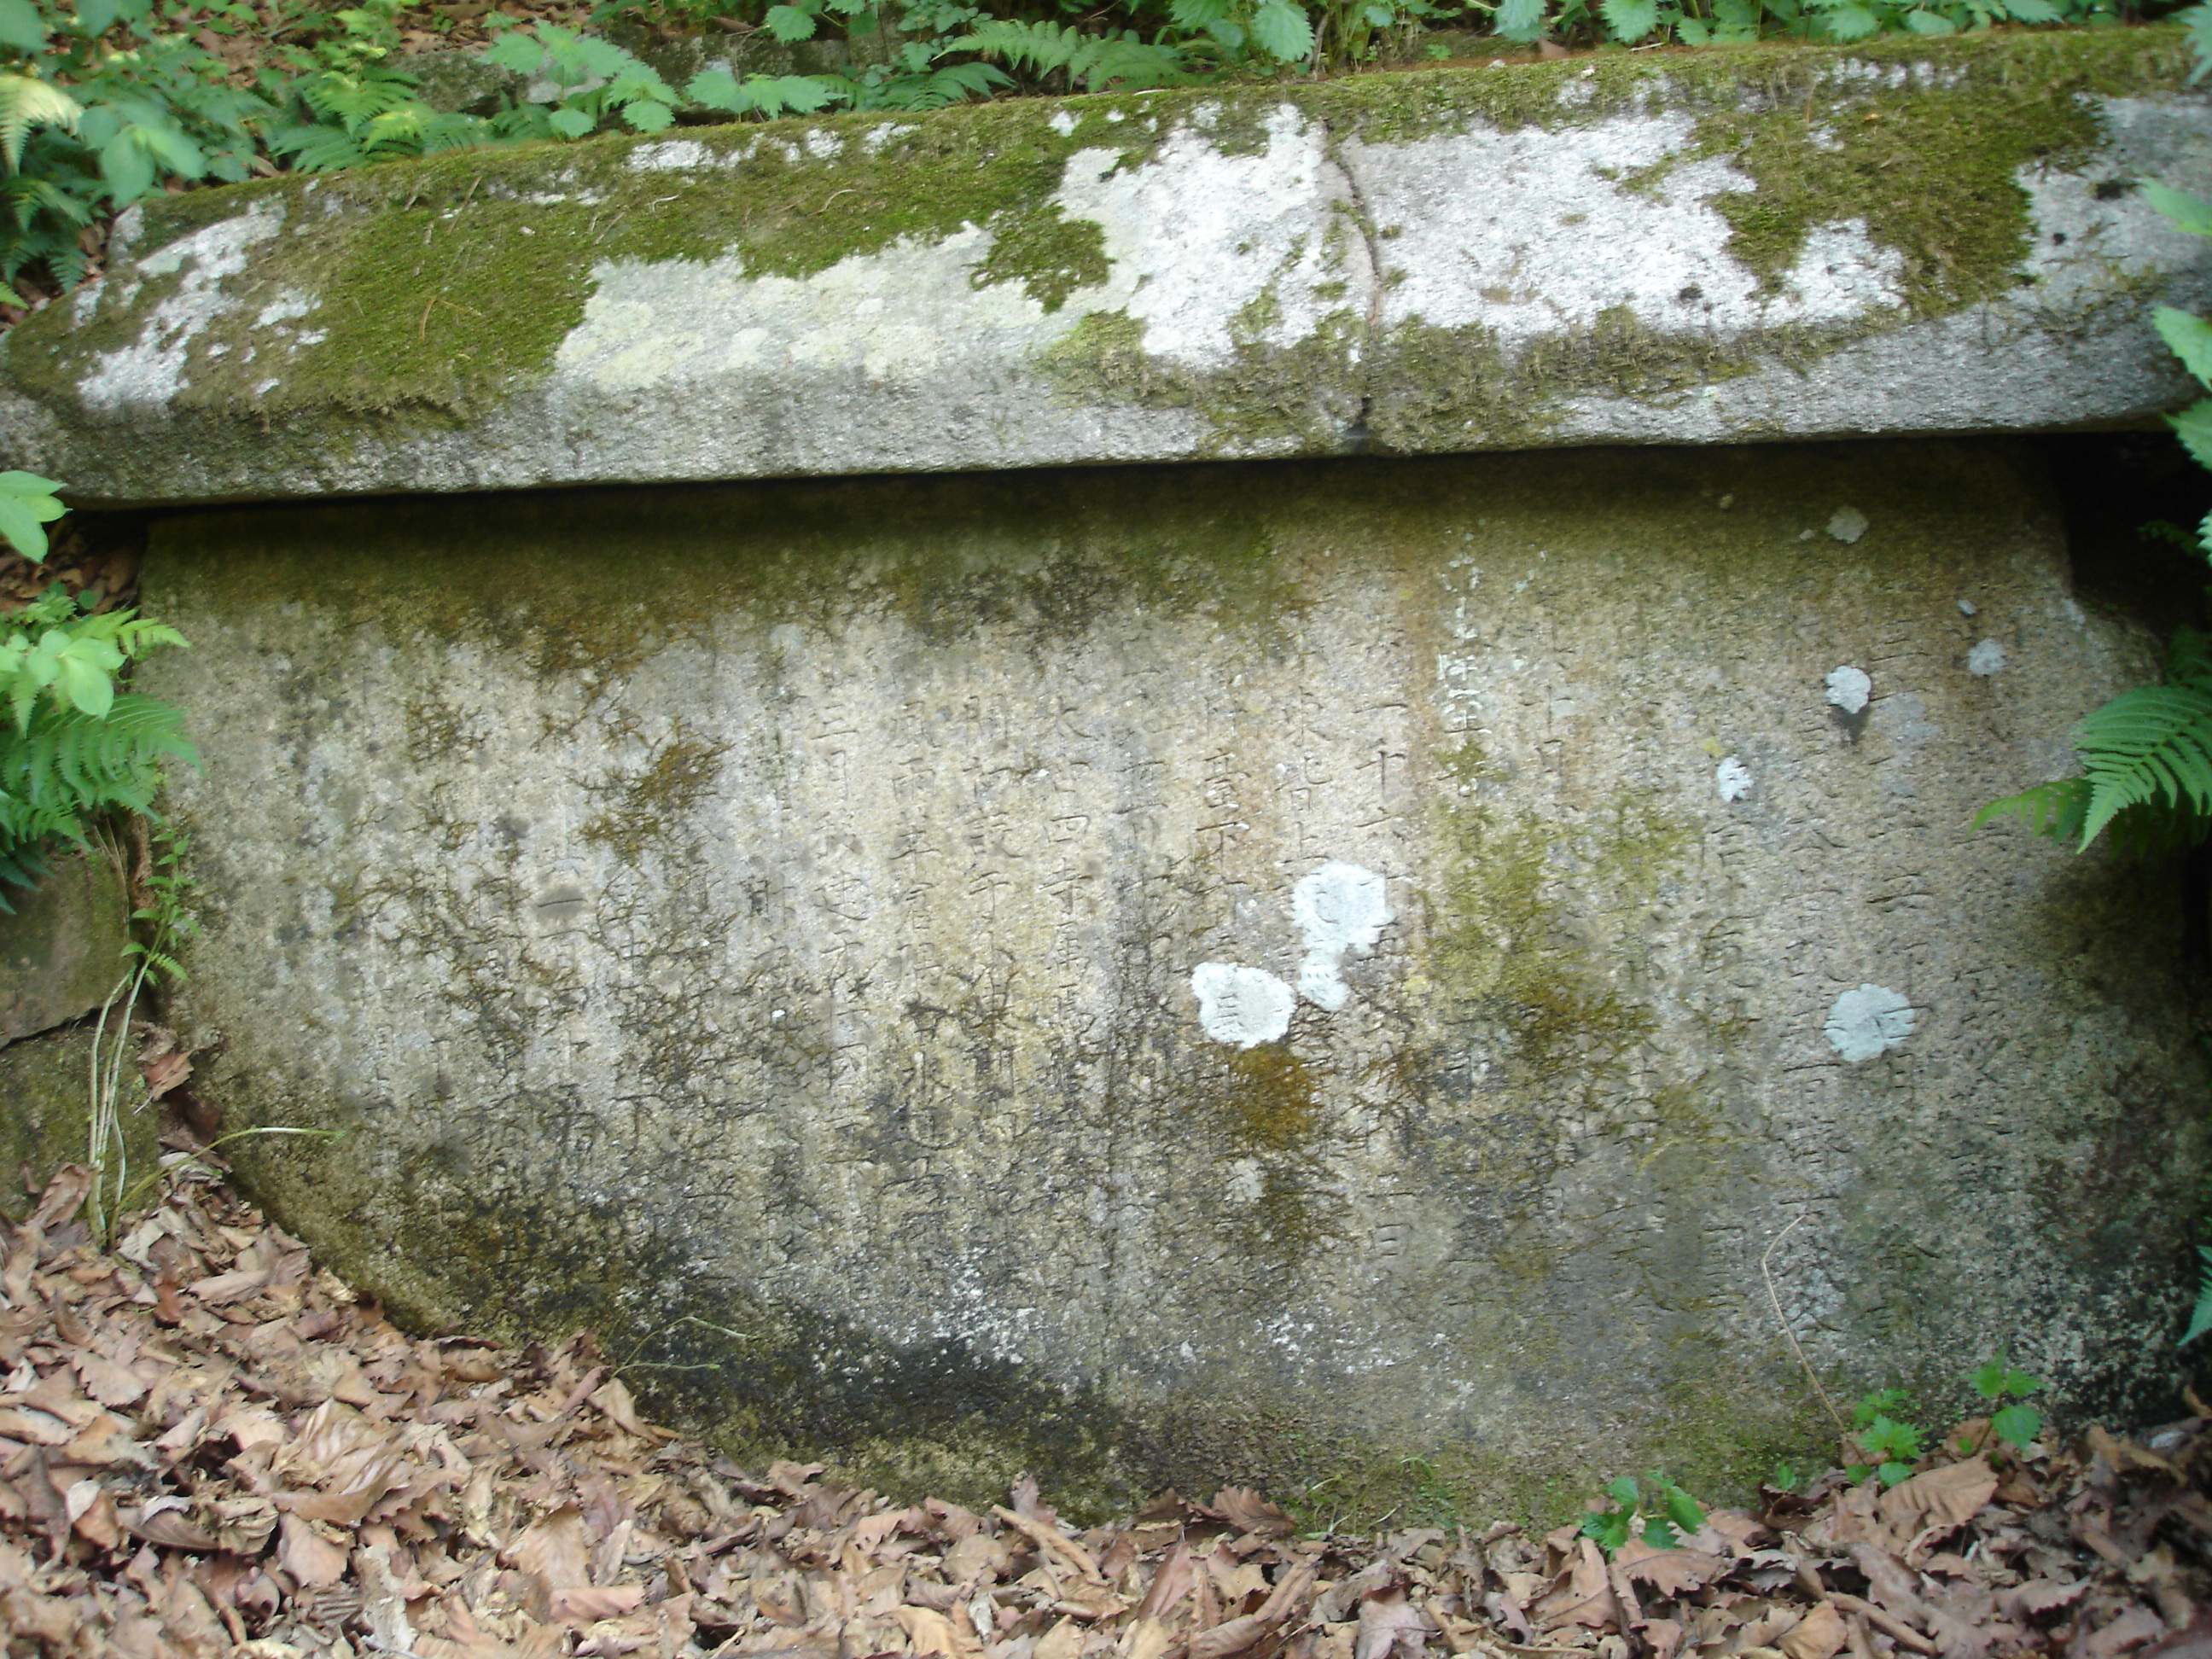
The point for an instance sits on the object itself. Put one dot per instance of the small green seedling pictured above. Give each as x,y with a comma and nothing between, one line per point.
1665,1510
2015,1424
1785,1478
1889,1444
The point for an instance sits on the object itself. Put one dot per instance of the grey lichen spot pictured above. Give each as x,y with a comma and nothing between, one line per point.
1849,688
1244,1006
1847,525
1967,608
1340,908
1869,1021
561,908
1731,780
1986,658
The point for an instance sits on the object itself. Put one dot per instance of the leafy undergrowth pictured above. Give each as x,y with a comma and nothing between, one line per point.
209,1448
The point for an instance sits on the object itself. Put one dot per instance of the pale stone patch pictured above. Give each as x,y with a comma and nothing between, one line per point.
1198,237
1531,233
1847,524
1731,780
1240,1005
896,314
1849,688
1869,1021
1986,658
1341,909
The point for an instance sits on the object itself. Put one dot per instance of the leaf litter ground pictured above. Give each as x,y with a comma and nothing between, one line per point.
209,1448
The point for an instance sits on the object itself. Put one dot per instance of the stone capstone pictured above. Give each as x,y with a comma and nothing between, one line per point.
1254,972
1908,237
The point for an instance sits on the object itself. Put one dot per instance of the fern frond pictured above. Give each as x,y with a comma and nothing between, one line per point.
2150,746
1042,49
26,102
2054,809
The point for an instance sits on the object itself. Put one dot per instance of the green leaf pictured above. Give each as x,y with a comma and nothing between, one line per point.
1629,20
1684,1511
2198,22
1519,21
571,123
2188,337
1879,1404
1609,1529
2200,1318
1623,1491
1283,31
1989,1380
26,506
1891,1473
1856,1473
85,686
96,17
789,24
1660,1536
2187,212
2017,1425
648,115
1891,1441
2193,426
1848,22
20,26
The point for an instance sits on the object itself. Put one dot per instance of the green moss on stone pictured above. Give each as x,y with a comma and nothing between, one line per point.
1049,254
45,1117
655,801
1504,957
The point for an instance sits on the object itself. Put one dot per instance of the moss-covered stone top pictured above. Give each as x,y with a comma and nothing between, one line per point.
1759,241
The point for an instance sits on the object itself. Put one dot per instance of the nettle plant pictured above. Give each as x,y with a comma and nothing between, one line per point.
1887,1444
1656,1511
75,750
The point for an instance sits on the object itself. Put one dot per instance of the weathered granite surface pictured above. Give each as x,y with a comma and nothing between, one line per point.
61,947
1909,237
45,1117
1176,974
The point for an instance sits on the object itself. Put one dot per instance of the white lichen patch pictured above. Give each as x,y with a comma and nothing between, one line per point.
1243,1006
1849,688
289,305
1986,658
1847,524
1531,233
150,370
672,155
901,314
1211,250
1869,1021
1731,780
1342,910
